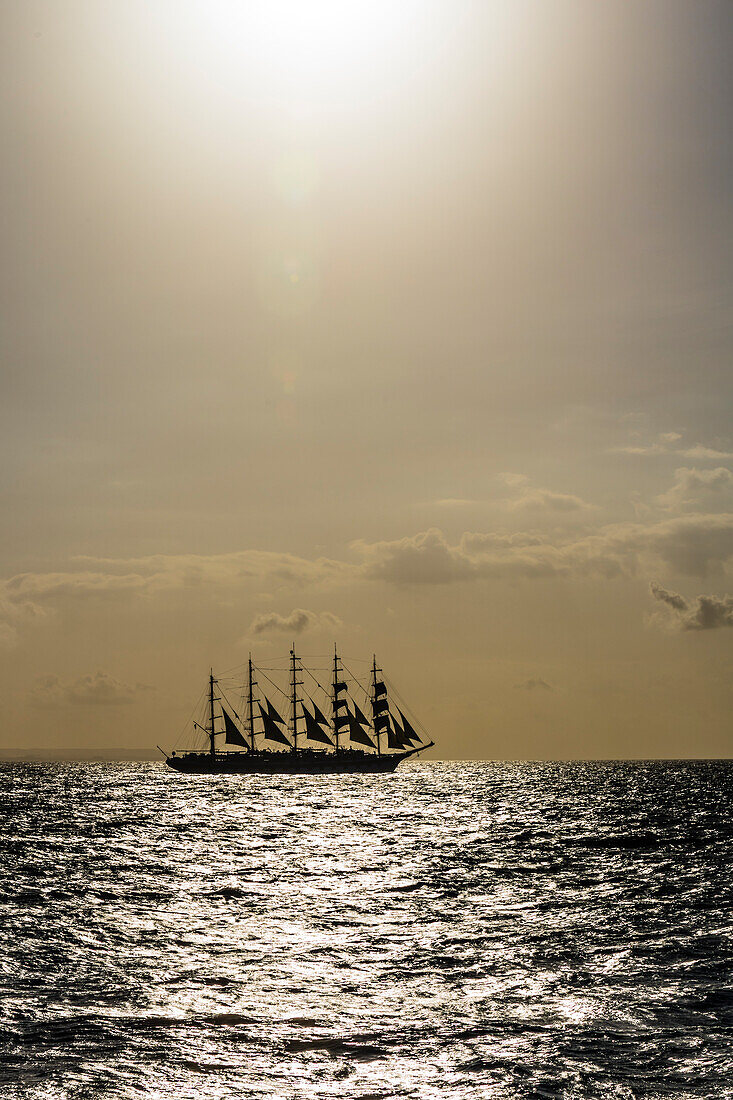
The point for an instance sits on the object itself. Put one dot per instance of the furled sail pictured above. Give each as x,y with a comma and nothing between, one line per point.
357,733
313,729
271,731
233,736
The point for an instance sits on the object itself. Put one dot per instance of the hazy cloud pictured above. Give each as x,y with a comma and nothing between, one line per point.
512,479
97,689
534,684
701,452
547,500
667,443
527,498
295,623
184,570
15,610
691,485
702,613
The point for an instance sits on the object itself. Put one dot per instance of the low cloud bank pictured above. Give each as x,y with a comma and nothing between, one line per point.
691,544
94,689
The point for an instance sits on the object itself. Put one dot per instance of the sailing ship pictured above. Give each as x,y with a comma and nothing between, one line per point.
309,742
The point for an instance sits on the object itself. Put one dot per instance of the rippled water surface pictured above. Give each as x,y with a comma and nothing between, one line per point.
453,930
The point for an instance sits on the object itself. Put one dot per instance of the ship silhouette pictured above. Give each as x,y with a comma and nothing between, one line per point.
384,739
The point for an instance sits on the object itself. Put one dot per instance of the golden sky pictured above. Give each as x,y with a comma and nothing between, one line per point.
402,325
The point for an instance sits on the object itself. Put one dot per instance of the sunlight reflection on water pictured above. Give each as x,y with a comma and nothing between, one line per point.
462,930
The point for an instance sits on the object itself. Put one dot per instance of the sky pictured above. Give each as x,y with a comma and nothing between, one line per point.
404,326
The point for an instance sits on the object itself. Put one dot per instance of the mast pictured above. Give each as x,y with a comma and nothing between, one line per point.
334,698
212,750
374,703
251,708
294,684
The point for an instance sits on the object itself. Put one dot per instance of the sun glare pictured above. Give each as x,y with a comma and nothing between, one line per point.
304,49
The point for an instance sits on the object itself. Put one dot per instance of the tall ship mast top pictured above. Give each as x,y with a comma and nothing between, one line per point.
239,724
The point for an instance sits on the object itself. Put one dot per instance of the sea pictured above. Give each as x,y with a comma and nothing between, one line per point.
454,930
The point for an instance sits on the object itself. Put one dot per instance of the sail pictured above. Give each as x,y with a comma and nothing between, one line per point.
380,688
271,731
313,729
272,713
340,721
394,739
381,722
318,713
356,733
233,736
359,716
411,735
380,704
340,686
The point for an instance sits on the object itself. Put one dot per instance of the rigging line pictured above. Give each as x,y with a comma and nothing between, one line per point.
285,695
226,700
234,668
404,706
190,718
268,668
316,682
357,682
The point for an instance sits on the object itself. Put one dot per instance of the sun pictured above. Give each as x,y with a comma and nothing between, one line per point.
309,50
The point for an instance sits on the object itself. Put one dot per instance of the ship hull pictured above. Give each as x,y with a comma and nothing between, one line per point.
348,762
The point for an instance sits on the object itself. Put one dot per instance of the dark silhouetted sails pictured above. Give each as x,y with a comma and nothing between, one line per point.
312,743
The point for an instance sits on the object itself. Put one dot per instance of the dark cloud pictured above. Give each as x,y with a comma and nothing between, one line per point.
295,623
535,684
672,599
702,613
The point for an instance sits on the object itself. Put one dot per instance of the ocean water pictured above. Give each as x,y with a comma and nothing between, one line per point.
455,930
